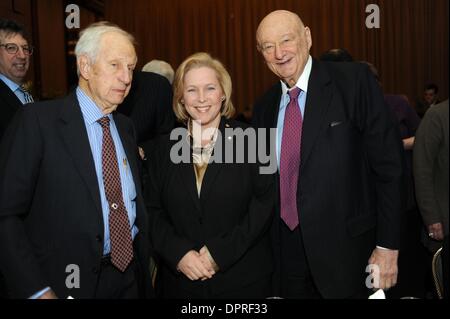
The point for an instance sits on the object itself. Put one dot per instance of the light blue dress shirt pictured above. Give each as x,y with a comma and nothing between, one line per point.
91,113
302,84
14,87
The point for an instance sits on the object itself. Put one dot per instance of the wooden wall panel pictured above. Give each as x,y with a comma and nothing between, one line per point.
410,48
51,47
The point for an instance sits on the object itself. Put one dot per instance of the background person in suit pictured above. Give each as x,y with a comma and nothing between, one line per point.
430,163
70,190
15,53
340,192
210,220
149,106
160,67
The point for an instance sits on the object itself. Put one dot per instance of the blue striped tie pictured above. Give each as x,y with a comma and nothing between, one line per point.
27,96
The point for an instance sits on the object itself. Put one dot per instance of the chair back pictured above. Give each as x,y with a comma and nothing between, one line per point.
438,277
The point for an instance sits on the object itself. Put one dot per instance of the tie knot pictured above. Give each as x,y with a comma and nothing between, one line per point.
23,88
104,121
294,93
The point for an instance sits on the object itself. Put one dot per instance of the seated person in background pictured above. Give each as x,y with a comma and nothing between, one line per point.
336,55
160,67
209,220
429,99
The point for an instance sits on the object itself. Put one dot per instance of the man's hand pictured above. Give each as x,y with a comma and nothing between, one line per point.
386,260
48,295
435,231
191,265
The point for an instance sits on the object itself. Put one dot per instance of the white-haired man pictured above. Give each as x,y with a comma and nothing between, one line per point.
72,218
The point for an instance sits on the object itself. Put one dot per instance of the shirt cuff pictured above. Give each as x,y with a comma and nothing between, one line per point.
40,293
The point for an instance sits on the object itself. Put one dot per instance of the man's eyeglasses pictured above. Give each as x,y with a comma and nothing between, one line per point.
13,48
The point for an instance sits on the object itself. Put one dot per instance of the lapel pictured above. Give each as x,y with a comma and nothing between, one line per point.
74,135
187,173
130,147
214,168
273,107
9,97
317,103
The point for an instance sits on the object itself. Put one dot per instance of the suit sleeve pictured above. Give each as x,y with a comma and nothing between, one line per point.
426,149
20,158
167,243
383,147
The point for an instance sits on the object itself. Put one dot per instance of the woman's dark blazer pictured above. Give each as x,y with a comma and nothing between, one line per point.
231,217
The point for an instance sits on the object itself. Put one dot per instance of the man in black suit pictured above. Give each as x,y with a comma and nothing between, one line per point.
345,179
72,217
15,55
149,106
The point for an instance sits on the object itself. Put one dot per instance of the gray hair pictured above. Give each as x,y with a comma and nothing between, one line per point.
160,67
89,42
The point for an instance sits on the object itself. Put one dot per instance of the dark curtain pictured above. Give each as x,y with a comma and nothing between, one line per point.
410,48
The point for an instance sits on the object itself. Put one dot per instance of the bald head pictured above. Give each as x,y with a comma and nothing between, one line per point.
284,41
275,18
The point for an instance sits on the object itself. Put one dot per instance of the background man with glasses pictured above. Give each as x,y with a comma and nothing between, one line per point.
15,53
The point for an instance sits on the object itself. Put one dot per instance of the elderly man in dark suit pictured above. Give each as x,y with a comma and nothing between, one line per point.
15,53
340,167
72,218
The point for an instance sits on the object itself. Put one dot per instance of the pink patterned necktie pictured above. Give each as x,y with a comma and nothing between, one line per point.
119,226
290,160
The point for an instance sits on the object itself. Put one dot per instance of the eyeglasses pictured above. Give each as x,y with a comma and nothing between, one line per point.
13,48
285,43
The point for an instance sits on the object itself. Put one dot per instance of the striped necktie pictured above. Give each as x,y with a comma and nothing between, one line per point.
27,96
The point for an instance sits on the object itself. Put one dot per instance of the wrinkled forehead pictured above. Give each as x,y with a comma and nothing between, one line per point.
116,45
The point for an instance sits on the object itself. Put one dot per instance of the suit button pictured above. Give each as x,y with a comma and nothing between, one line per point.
200,220
98,238
95,270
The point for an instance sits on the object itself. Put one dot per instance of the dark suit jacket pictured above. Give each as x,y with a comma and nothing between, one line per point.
9,104
431,149
149,105
349,188
231,218
50,210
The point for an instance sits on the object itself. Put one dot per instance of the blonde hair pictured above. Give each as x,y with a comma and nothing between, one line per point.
198,60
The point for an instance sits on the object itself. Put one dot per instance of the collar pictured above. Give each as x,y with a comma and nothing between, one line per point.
90,110
302,82
11,84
